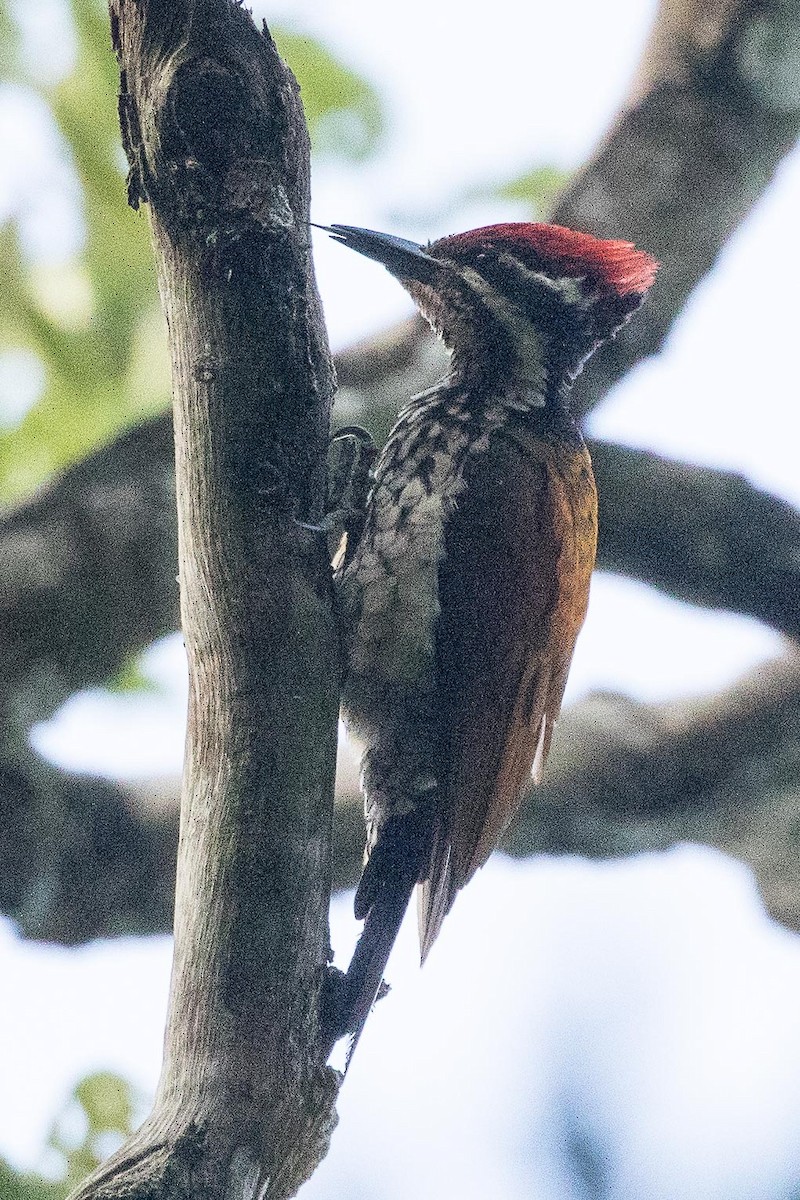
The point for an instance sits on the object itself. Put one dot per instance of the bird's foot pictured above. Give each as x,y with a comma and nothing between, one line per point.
338,1017
351,453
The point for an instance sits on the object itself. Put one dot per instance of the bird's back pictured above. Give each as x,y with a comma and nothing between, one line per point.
513,589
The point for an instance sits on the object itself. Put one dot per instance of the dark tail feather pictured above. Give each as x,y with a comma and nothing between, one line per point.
365,973
390,875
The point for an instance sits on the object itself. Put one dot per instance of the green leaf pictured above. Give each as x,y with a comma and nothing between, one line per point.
102,1106
107,1101
537,187
131,679
536,190
14,1186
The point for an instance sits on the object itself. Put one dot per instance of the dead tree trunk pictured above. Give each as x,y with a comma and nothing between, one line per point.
217,145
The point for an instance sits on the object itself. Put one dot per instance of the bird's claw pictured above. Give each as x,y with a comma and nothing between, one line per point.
351,453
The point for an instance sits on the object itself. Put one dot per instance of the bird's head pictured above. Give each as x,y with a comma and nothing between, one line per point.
524,302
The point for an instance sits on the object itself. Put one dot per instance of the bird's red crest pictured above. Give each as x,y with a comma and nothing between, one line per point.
619,266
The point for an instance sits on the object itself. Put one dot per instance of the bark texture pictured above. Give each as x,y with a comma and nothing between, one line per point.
217,147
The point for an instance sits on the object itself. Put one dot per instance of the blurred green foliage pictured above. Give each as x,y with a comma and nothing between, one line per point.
28,1187
92,321
99,1114
534,190
345,116
133,680
97,1118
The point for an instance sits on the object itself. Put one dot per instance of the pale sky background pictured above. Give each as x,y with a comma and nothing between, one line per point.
649,1000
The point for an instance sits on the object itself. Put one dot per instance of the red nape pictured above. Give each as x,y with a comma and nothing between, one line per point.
618,265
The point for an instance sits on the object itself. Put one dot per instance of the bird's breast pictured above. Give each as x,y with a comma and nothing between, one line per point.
388,592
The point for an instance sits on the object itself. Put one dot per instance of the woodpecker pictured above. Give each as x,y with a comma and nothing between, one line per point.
462,600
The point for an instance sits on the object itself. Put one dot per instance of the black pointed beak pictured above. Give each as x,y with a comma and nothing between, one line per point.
405,260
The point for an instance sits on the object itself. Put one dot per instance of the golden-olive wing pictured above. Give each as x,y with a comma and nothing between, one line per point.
513,586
